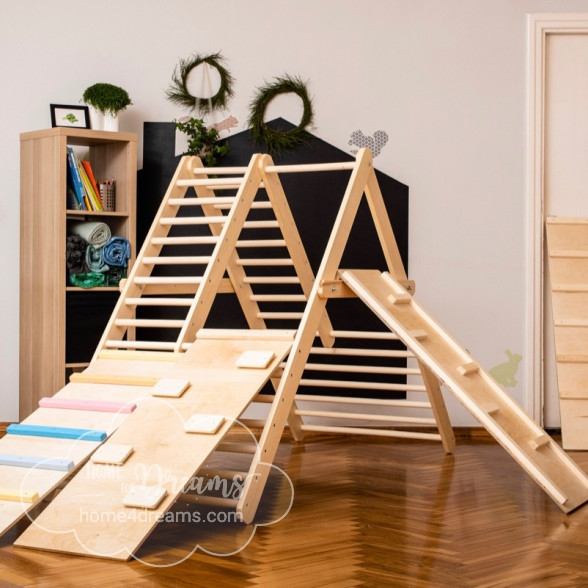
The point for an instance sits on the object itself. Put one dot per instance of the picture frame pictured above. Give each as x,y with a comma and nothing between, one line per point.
73,116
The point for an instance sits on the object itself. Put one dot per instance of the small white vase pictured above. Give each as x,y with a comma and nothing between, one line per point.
110,122
96,119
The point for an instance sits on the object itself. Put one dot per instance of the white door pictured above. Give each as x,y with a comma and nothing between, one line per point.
564,169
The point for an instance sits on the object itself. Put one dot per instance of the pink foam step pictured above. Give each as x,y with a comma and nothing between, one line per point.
95,405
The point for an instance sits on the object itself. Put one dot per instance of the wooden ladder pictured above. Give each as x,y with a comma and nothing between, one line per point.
567,243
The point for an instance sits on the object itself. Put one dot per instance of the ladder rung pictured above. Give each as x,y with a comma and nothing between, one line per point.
361,369
158,301
367,401
361,385
271,280
365,416
158,345
361,352
372,431
217,182
262,224
264,204
184,240
311,167
280,315
168,280
266,261
201,201
178,260
261,243
192,220
278,298
219,171
154,323
386,335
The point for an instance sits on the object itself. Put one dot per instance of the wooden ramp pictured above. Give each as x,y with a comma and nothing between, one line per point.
87,408
91,515
527,443
567,243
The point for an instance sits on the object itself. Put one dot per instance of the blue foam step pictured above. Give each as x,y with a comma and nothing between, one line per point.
56,432
31,461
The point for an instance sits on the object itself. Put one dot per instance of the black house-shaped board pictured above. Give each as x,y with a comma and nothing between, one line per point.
314,199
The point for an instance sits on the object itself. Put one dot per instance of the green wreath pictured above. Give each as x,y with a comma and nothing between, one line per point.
274,139
178,91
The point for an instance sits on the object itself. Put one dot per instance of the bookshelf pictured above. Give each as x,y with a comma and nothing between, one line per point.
61,324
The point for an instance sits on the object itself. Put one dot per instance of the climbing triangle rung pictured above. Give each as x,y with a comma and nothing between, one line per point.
178,260
192,220
201,201
152,323
159,301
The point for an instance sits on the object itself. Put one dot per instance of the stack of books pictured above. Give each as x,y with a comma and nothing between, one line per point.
82,192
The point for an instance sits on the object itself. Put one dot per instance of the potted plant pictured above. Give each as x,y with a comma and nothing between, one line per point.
106,101
202,141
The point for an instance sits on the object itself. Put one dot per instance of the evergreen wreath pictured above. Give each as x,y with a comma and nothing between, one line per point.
178,91
274,139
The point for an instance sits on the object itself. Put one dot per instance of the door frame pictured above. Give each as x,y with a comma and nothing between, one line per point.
539,26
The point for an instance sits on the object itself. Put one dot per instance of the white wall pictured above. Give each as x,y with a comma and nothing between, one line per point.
444,78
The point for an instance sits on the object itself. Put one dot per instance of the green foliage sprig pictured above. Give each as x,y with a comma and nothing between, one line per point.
178,92
274,139
107,98
202,141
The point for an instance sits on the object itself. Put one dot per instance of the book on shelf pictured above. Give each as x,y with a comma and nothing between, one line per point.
90,173
92,198
76,179
83,184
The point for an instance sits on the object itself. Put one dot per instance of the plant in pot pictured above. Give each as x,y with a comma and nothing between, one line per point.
202,141
106,101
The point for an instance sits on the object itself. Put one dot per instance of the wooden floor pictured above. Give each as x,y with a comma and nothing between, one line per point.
366,512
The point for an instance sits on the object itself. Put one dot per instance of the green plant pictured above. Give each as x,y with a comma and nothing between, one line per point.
107,98
202,141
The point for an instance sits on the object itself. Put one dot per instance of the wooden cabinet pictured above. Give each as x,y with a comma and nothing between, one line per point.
50,309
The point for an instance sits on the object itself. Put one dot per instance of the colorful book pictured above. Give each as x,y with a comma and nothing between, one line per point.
94,201
76,178
90,173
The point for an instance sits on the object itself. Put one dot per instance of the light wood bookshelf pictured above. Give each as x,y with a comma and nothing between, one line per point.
45,295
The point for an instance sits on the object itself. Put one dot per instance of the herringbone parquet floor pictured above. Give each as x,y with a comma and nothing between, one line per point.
366,512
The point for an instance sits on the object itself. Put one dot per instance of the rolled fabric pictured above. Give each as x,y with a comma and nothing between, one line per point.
115,275
95,259
95,233
116,252
75,254
87,280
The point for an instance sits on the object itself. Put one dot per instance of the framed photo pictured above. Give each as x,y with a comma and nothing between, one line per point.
63,115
